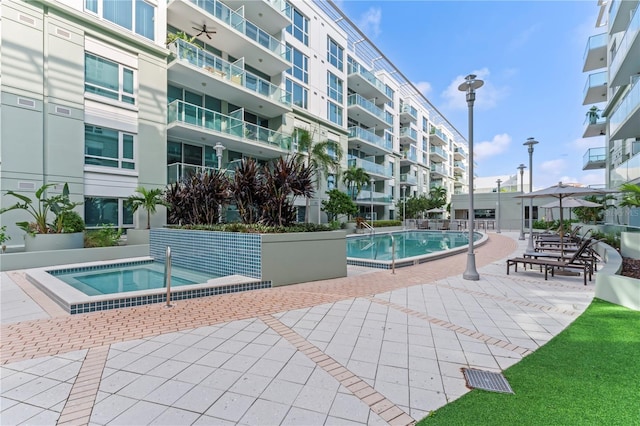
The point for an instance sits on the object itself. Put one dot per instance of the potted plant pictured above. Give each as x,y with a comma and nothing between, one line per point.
66,230
148,200
593,114
4,237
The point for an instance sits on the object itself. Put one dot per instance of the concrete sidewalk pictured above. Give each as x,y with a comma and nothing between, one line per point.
372,348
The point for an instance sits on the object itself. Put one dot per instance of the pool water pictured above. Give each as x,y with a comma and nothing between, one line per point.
407,244
122,279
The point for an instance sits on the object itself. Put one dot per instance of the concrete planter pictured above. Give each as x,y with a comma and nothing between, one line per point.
47,242
137,236
280,258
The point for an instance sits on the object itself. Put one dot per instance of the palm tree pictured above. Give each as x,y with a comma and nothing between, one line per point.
148,200
323,157
438,196
631,197
355,178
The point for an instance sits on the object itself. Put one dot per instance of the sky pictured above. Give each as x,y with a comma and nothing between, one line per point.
530,56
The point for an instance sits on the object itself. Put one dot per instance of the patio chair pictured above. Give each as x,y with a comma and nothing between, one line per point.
581,253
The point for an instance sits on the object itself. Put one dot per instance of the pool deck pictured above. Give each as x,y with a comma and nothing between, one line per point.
371,348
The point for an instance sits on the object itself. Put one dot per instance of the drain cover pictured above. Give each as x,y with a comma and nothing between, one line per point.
486,380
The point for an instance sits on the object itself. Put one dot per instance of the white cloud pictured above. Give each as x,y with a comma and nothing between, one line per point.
424,87
553,166
499,144
487,96
370,21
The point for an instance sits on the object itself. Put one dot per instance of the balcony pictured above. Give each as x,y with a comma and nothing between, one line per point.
408,179
177,171
619,14
408,135
459,167
438,155
374,170
459,153
190,122
408,114
365,83
368,142
595,158
366,112
437,137
195,68
595,89
625,61
595,54
595,128
439,169
409,156
624,120
240,37
270,15
436,183
367,197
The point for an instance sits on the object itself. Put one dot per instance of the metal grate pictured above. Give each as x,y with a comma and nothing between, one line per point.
480,379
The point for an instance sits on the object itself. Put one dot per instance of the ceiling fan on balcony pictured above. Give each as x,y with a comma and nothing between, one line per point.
204,30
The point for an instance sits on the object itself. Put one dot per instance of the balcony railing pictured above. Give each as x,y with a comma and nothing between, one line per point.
460,152
410,155
439,168
370,166
409,132
356,99
594,155
623,110
439,151
243,26
378,197
177,171
372,138
222,69
409,109
179,111
595,80
408,179
355,68
625,44
438,132
595,42
459,165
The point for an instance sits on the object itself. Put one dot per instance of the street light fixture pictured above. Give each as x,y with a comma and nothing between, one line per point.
498,212
529,144
219,149
469,86
521,167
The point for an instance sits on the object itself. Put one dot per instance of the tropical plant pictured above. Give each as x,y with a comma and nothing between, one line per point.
322,157
631,195
196,200
180,35
57,204
70,221
106,236
4,237
593,214
148,200
593,114
245,189
415,206
338,204
355,178
438,196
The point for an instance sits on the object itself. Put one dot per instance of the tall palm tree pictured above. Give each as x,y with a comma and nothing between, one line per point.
355,178
147,200
438,196
323,157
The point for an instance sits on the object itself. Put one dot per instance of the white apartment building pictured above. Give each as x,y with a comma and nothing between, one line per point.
93,96
612,60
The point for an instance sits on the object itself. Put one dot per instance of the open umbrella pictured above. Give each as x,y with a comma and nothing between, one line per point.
436,210
569,203
562,192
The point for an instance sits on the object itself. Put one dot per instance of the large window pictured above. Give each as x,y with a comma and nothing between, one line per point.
334,87
134,15
334,113
108,148
300,69
109,79
335,54
100,211
298,94
300,27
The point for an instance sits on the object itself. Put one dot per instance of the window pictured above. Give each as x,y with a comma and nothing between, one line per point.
334,87
298,94
109,79
331,182
106,211
335,54
108,148
300,69
334,113
134,15
300,27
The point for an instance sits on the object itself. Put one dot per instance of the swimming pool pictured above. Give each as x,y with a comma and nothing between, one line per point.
96,286
411,247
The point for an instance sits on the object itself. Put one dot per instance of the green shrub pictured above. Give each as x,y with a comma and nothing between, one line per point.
71,221
612,239
106,236
256,228
386,223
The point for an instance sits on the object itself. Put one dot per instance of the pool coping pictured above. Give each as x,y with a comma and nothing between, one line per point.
74,301
413,260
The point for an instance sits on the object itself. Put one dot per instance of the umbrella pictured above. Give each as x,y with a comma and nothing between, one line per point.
569,203
562,192
436,210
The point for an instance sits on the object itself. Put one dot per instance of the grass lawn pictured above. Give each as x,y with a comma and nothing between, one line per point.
587,375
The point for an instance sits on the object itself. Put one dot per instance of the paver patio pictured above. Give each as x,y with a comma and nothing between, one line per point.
371,348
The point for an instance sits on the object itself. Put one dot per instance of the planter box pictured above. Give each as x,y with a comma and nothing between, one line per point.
280,258
46,242
137,236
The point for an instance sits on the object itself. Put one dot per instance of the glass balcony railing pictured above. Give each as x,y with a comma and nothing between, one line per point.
439,168
627,105
408,179
625,44
376,197
356,99
234,74
236,21
369,166
409,109
594,155
595,42
182,112
595,80
279,5
411,154
441,152
409,132
177,171
438,132
459,165
372,138
355,68
460,152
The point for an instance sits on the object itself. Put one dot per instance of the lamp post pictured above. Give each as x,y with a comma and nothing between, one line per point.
404,206
529,144
521,167
371,195
469,86
219,149
498,212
